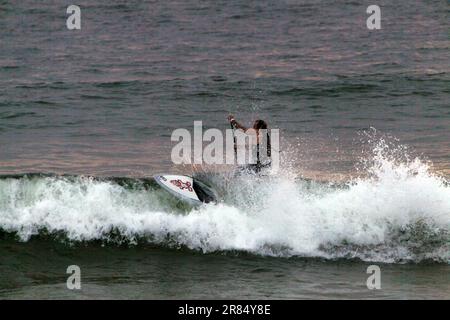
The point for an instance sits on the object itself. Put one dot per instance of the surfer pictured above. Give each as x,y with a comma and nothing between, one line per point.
258,125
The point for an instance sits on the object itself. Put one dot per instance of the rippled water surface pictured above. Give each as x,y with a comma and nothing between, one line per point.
86,118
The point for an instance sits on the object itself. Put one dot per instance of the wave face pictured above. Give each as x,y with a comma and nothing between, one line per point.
398,211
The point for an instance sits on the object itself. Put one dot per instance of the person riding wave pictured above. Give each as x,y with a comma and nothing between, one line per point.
259,128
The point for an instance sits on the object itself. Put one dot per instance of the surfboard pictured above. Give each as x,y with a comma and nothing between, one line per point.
181,187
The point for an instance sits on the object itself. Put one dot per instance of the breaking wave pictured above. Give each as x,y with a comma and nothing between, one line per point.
396,211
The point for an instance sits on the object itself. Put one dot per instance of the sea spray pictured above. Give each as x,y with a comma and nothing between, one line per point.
399,211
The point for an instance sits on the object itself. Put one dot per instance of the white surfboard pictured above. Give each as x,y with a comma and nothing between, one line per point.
180,186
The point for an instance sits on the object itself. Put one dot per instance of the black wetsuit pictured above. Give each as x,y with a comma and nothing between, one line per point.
258,166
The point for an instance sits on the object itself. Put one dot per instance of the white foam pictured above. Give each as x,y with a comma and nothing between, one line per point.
283,218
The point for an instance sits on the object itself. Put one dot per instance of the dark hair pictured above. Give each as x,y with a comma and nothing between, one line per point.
259,124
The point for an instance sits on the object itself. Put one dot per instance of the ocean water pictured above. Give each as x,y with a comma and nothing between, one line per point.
86,118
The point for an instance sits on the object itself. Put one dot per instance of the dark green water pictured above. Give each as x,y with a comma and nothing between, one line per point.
152,273
104,100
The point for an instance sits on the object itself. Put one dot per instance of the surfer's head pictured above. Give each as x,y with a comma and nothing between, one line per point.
259,124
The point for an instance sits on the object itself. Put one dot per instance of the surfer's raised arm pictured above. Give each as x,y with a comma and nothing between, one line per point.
236,124
258,124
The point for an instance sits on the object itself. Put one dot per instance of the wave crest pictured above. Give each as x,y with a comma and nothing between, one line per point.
398,212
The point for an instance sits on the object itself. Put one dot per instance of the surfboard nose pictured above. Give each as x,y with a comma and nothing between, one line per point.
186,189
